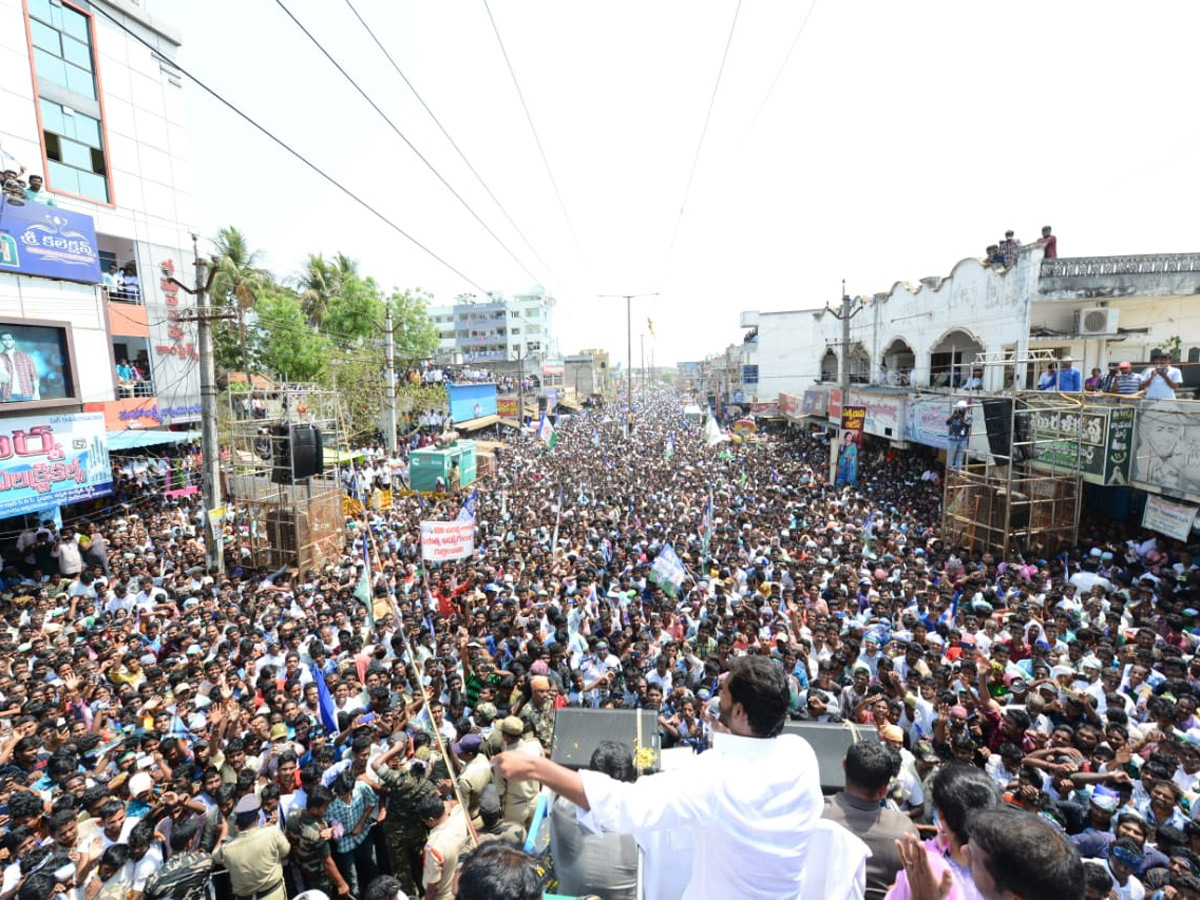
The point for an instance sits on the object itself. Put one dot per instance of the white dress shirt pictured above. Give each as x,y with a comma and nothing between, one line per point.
750,803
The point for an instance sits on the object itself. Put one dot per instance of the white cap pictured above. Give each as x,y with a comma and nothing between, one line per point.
962,404
140,783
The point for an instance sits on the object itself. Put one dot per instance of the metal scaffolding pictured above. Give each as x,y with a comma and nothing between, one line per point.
1025,493
281,516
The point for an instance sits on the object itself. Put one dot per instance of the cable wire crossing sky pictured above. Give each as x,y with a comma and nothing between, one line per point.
729,155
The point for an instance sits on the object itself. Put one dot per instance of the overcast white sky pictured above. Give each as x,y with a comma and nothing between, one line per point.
899,138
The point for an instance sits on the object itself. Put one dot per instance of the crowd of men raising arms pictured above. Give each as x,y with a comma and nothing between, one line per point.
162,732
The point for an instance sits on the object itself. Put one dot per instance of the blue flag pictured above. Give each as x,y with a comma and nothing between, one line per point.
325,699
467,513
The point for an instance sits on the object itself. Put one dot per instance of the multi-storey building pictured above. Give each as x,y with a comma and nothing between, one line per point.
91,103
495,328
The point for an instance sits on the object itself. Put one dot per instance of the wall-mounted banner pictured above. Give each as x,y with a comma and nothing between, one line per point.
441,541
471,401
1102,439
51,461
1175,520
36,239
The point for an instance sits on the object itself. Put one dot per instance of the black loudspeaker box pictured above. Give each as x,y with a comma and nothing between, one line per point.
578,732
299,452
830,742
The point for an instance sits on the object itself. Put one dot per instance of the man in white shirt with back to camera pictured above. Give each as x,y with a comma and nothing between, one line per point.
752,803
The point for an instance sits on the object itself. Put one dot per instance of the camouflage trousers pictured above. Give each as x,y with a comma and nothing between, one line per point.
404,847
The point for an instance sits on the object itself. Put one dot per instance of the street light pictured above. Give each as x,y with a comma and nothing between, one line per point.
628,349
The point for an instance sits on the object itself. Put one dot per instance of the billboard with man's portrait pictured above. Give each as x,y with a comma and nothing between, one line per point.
36,364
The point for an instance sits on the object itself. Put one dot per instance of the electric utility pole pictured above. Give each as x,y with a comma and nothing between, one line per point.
389,346
848,312
628,351
204,316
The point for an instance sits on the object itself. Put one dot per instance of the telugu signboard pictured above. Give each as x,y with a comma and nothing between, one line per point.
925,421
36,239
1101,438
52,460
885,413
442,541
789,404
173,337
1175,520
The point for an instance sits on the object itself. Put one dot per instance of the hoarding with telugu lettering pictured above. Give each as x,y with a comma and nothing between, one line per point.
52,460
36,239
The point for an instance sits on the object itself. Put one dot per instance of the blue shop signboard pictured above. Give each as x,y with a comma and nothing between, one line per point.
36,239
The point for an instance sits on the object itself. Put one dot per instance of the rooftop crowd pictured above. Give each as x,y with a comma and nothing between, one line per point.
162,732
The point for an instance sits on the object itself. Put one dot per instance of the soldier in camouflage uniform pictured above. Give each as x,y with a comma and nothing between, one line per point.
309,835
538,713
403,831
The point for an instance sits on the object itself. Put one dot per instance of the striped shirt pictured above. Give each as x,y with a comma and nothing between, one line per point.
1126,383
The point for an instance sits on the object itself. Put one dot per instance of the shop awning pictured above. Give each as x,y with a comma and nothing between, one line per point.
135,438
484,422
476,424
337,457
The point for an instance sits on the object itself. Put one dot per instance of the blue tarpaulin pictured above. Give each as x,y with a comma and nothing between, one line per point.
133,438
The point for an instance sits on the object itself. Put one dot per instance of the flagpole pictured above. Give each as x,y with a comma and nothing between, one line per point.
412,662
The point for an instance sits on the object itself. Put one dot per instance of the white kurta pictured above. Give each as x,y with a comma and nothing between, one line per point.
751,805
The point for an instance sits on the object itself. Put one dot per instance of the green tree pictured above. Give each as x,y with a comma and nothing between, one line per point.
355,313
292,350
359,379
239,279
416,335
321,281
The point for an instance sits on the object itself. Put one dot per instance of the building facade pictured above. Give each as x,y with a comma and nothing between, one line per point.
495,328
989,332
91,103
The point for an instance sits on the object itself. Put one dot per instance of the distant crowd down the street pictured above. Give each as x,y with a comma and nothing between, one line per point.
166,733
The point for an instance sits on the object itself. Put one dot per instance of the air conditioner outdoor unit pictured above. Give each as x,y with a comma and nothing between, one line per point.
1102,320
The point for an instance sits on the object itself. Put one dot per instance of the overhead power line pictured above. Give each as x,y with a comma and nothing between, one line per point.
453,143
287,147
536,138
411,146
783,65
703,132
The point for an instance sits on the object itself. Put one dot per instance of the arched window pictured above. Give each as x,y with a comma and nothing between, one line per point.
951,359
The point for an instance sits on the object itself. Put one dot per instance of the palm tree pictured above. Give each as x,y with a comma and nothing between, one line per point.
238,280
321,281
317,285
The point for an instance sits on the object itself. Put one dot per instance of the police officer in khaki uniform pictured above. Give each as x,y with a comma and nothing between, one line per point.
255,857
518,798
476,774
448,837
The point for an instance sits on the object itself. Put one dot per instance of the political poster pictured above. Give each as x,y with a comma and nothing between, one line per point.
442,541
850,444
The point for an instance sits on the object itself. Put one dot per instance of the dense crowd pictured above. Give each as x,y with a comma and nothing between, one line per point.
164,730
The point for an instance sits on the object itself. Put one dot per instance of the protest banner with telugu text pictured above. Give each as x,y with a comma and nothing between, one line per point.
442,541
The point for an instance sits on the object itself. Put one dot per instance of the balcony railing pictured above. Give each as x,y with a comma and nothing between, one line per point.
143,388
1149,264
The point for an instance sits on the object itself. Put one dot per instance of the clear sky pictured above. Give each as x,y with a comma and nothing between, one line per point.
897,139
